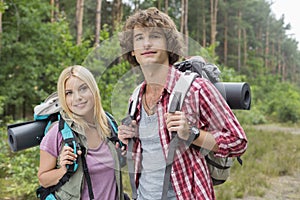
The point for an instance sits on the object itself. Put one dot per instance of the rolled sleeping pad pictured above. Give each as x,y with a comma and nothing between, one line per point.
236,94
25,135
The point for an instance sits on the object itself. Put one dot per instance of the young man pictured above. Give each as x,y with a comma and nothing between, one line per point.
150,39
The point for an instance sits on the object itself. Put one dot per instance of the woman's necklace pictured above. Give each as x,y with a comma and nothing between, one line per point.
91,125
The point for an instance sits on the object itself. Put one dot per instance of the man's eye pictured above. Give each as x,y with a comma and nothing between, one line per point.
155,36
138,38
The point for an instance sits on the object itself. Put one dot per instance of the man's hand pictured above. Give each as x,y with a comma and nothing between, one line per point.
126,132
177,122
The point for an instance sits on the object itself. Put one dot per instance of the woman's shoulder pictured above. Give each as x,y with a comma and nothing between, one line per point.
52,140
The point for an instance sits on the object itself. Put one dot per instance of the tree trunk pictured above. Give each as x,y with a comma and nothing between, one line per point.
117,13
279,58
213,15
182,16
203,25
98,22
245,47
56,12
267,46
1,30
186,14
52,11
259,38
158,4
166,6
239,39
184,20
225,35
79,18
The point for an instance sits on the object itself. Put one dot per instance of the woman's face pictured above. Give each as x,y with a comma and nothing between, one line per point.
79,98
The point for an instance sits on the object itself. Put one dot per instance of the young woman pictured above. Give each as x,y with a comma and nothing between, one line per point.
81,109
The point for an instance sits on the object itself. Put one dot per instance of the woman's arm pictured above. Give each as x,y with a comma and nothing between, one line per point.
48,173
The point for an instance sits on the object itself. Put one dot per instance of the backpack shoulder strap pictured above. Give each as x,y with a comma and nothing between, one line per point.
182,87
69,140
134,102
175,103
112,123
130,163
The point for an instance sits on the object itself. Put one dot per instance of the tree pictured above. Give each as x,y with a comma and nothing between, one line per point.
79,18
213,21
184,20
98,22
1,12
166,6
117,13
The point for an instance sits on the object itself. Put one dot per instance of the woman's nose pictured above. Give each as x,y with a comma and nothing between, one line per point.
76,96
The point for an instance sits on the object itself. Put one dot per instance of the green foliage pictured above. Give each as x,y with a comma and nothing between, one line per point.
279,101
23,173
17,170
34,53
253,116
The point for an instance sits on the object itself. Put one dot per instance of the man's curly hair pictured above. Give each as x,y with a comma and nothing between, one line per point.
151,18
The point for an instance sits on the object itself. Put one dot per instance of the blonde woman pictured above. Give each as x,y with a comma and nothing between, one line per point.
81,109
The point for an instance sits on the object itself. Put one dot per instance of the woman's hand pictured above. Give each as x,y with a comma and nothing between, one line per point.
67,157
177,122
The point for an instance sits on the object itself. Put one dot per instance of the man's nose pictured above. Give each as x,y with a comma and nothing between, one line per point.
147,42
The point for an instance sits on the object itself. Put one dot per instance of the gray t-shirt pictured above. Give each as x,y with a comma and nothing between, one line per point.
153,161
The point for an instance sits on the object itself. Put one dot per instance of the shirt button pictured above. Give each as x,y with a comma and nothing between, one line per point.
179,193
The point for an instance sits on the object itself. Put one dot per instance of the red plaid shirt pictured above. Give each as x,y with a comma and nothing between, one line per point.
205,108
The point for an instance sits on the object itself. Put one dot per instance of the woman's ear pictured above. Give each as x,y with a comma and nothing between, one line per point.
132,53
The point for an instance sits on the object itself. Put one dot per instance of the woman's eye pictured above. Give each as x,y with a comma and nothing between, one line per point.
83,88
68,93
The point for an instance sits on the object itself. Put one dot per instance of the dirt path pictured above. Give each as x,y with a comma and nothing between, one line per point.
274,127
284,187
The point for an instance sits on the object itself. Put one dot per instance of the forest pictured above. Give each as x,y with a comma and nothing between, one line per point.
40,38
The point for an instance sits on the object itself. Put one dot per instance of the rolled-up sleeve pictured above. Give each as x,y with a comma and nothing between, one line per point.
217,118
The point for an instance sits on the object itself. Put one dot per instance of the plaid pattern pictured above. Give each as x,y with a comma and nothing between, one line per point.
206,109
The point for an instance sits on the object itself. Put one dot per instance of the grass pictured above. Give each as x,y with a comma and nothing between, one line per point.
269,154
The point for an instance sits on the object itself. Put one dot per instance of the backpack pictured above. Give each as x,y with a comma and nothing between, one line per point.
29,134
219,167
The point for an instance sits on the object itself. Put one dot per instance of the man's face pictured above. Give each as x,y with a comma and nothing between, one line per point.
149,46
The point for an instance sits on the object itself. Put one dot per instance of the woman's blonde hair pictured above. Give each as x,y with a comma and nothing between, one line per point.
87,77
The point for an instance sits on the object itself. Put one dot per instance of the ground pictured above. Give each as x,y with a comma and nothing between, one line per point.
284,187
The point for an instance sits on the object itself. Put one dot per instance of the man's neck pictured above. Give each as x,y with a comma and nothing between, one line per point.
156,75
